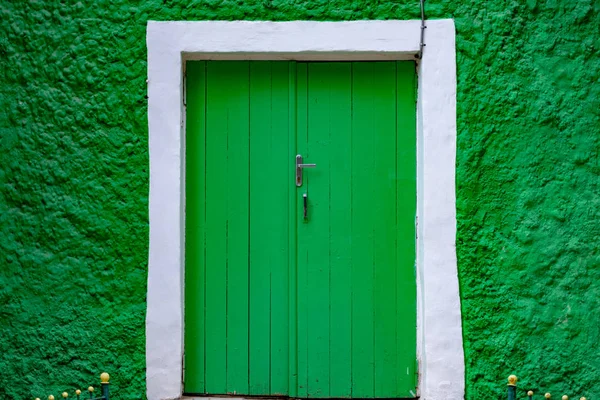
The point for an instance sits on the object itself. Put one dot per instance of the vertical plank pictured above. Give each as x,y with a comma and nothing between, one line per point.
383,94
278,201
236,89
317,187
362,230
217,88
340,181
194,228
269,257
292,238
303,240
406,195
260,268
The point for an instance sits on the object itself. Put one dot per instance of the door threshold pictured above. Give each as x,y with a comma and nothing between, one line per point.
235,397
232,397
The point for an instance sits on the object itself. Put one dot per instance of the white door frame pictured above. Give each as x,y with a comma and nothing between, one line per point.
439,330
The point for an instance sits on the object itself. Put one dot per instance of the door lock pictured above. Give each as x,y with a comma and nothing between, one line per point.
305,202
299,167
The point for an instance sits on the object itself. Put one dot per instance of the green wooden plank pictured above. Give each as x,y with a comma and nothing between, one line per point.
292,239
406,189
216,226
236,91
269,182
269,228
260,219
340,237
303,240
194,228
316,181
278,231
383,95
363,154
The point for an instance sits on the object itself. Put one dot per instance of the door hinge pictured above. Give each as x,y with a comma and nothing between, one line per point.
417,227
184,88
416,87
183,368
417,377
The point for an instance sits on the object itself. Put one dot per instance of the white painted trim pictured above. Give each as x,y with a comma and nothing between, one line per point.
439,330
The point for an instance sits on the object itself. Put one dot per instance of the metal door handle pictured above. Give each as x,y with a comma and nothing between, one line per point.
299,167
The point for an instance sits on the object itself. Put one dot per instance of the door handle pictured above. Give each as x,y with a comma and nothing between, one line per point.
299,167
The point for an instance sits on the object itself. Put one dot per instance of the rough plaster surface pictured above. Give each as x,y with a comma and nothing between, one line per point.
439,344
74,186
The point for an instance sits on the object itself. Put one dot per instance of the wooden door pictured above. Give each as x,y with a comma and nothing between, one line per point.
356,248
237,228
280,304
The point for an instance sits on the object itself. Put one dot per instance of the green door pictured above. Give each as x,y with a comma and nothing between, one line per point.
300,288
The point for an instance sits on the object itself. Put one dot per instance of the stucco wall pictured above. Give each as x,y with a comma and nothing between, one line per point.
74,179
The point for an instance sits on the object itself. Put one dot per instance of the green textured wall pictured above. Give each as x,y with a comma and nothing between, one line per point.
74,179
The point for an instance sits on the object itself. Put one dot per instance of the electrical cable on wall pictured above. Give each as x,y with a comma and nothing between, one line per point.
419,55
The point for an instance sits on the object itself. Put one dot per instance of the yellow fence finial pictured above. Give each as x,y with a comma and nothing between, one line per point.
565,397
547,395
530,393
78,392
50,397
65,395
512,380
104,377
91,389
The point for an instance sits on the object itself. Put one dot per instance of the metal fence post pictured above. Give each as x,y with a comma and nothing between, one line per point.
512,387
104,377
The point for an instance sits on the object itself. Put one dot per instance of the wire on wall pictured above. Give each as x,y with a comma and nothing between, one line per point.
423,27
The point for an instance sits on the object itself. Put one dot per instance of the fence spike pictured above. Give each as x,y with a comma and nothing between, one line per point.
547,395
104,377
565,397
78,392
583,398
91,389
50,397
65,395
530,393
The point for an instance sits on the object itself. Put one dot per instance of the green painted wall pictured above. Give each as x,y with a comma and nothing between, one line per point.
74,185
